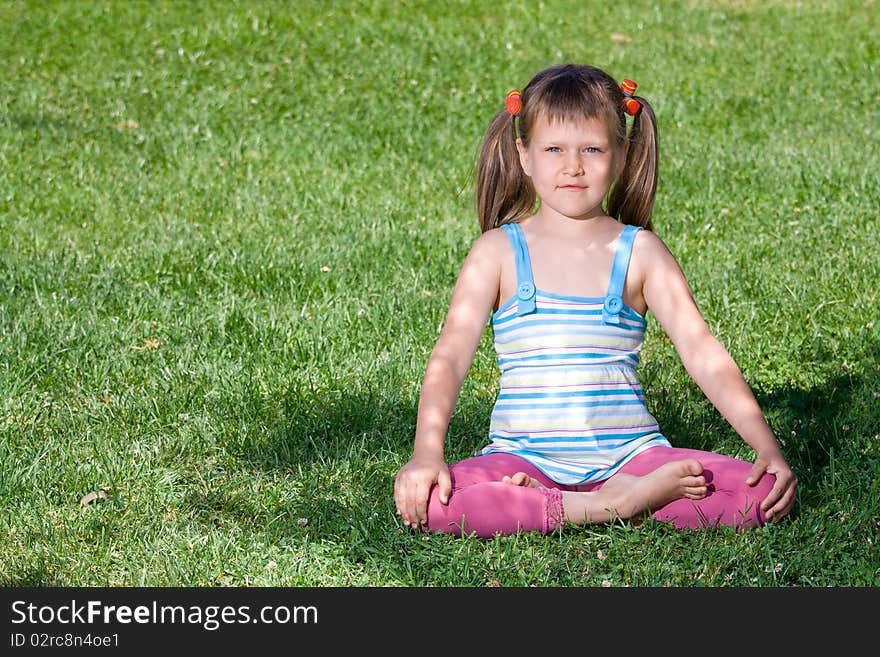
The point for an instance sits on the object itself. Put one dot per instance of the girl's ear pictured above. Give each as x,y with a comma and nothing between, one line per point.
523,157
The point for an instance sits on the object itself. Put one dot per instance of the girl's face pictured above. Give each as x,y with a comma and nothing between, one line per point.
572,165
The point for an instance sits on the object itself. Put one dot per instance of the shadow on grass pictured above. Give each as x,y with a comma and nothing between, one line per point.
828,427
22,122
44,574
811,423
828,432
335,424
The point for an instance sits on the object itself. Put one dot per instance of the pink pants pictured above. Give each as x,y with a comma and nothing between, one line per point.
482,504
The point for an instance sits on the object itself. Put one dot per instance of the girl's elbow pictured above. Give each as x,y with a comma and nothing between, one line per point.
444,363
701,347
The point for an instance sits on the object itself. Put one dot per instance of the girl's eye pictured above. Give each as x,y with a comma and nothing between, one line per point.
588,149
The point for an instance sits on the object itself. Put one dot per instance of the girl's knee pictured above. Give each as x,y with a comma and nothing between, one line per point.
435,506
440,515
748,512
765,484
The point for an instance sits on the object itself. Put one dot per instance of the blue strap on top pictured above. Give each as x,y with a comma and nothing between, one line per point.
614,298
525,283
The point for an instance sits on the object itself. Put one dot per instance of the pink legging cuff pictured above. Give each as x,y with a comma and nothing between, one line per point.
490,507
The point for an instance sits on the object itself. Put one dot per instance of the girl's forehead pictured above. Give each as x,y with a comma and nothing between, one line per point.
571,127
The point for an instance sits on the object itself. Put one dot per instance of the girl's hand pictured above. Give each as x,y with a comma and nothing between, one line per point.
412,487
780,499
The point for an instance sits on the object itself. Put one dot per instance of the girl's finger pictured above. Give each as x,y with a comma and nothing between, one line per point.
755,473
782,506
406,510
444,486
769,502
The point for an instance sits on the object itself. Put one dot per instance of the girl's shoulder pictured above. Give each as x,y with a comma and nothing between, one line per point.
649,245
493,243
489,252
651,255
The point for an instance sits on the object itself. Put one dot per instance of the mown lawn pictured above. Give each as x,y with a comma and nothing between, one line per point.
229,232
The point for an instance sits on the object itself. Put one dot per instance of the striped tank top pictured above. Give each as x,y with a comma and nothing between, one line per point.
570,402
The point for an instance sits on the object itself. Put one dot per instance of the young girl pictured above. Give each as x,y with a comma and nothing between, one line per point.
568,286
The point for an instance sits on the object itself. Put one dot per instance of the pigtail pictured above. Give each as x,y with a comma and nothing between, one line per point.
632,199
503,191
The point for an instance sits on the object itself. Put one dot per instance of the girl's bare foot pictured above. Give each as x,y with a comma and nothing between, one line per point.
521,479
624,495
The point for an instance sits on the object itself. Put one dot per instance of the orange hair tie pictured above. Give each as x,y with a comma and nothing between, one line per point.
513,102
630,105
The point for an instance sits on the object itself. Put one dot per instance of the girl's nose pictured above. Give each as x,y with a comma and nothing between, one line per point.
573,165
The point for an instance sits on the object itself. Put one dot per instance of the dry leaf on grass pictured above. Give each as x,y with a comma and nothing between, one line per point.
151,343
94,496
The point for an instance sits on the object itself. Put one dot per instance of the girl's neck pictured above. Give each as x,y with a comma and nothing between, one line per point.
573,228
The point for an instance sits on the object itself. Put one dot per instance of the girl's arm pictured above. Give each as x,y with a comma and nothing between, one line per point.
668,296
473,298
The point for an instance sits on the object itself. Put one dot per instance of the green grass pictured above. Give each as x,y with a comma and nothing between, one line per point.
229,232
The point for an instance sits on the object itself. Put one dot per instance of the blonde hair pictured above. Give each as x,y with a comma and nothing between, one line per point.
504,193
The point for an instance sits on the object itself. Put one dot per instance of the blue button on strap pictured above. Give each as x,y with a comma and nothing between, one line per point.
614,297
611,309
525,291
525,283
